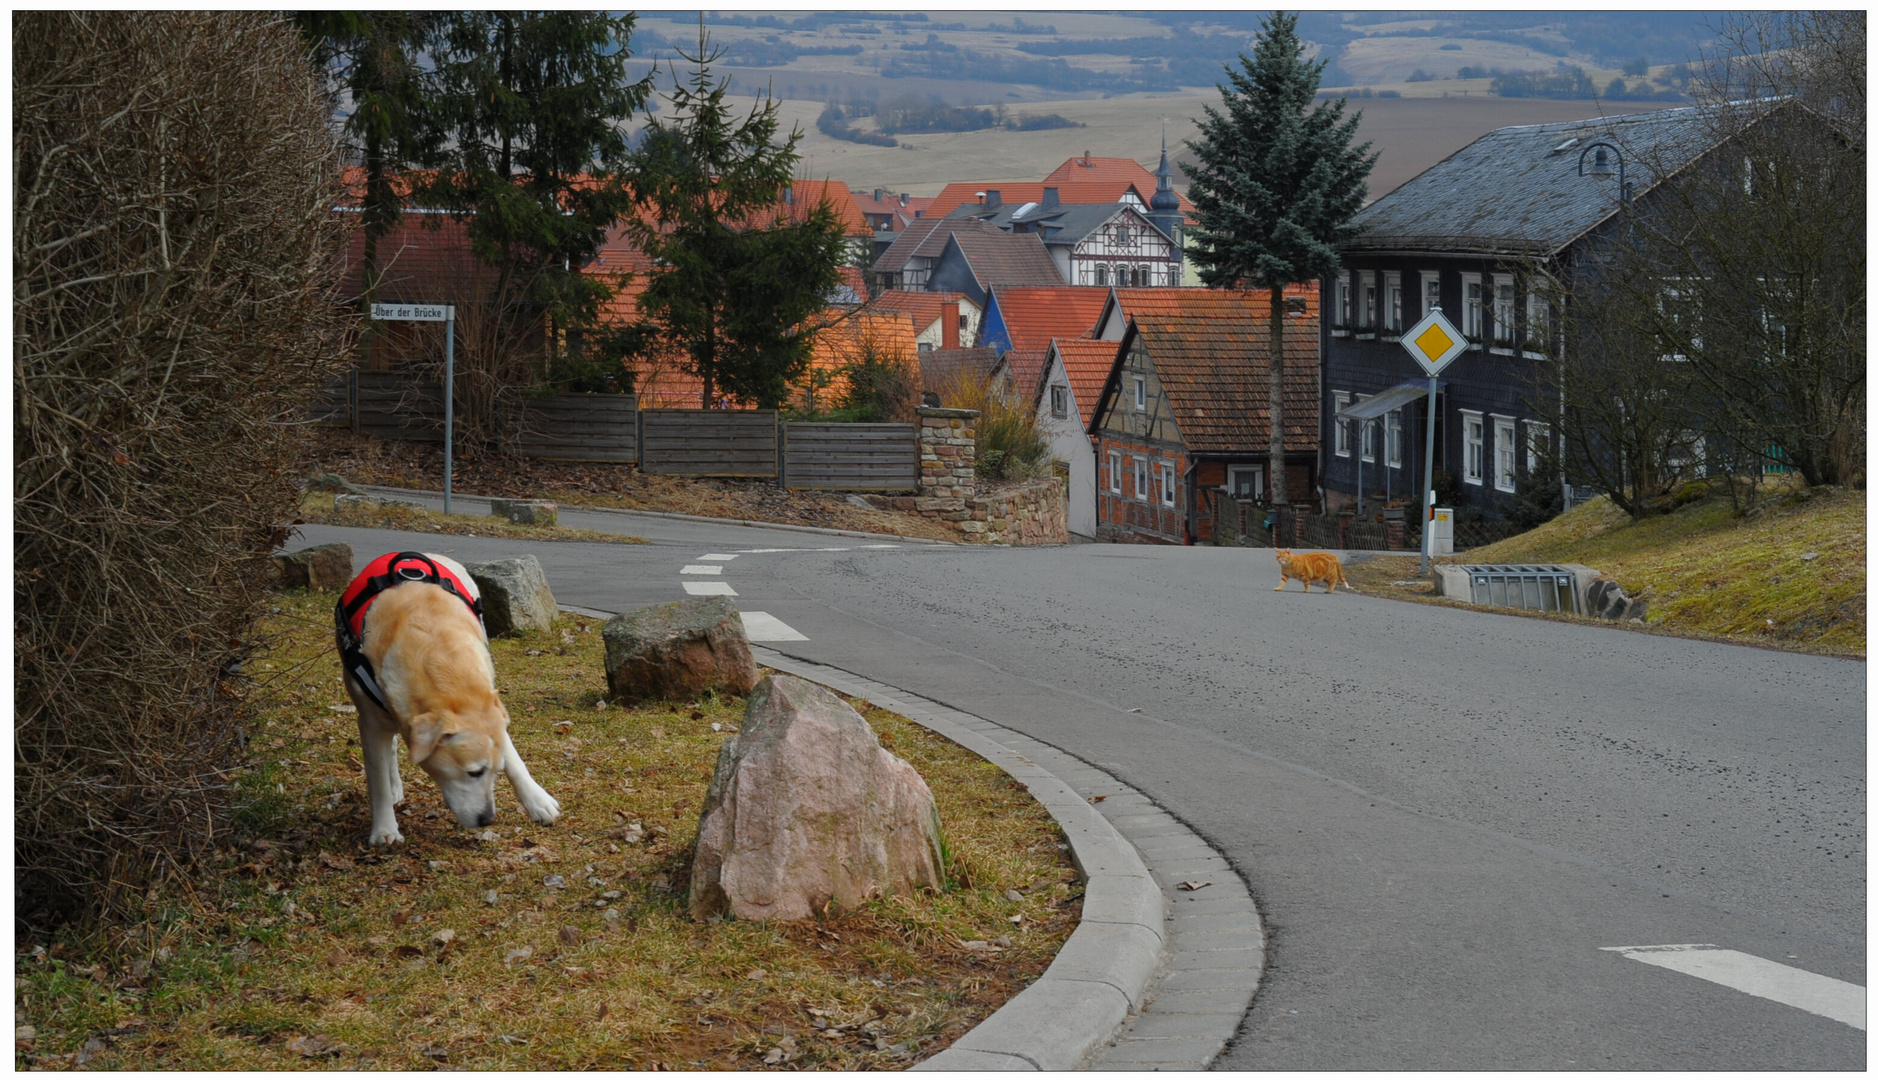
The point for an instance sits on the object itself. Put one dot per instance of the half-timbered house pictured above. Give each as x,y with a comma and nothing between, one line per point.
1184,413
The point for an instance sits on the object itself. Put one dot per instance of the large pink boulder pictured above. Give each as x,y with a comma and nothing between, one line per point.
806,810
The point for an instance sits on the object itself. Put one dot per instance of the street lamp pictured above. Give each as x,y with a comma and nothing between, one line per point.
1601,165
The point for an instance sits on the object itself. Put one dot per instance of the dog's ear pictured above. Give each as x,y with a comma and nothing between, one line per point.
427,733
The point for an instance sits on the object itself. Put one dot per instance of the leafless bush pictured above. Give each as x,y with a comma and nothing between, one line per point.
173,178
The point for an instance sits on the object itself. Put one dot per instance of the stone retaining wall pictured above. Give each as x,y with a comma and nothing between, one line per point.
1025,512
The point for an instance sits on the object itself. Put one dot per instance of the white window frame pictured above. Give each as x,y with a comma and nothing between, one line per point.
1473,307
1505,303
1341,433
1257,474
1365,436
1537,435
1392,438
1101,274
1059,399
1505,453
1141,393
1167,482
1431,291
1115,472
1473,447
1367,294
1538,322
1343,301
1392,301
1141,479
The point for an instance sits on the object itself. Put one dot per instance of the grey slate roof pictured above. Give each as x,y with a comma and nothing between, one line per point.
1064,223
1516,191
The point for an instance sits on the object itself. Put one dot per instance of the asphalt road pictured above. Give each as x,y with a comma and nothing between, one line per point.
1450,819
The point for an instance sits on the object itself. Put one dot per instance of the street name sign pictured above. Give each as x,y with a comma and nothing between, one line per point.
414,312
1434,342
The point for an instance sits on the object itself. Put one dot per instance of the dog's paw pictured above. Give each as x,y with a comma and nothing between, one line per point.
387,837
542,808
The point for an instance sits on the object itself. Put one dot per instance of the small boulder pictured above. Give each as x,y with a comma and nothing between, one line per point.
324,568
678,650
370,502
334,483
515,595
524,511
1609,601
806,812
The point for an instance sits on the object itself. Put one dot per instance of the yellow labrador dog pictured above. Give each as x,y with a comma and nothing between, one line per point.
416,663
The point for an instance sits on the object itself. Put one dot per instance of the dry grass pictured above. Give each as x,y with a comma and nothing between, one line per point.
391,463
1706,572
317,507
300,948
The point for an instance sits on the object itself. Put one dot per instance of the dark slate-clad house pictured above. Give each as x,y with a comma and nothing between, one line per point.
1470,234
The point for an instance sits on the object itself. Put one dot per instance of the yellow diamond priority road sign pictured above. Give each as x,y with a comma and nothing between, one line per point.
1433,342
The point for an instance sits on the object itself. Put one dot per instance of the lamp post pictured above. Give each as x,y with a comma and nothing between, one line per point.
1601,166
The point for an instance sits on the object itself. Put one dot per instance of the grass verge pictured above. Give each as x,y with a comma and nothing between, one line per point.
317,507
527,947
1790,575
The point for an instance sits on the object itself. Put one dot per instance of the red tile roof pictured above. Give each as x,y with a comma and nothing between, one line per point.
1024,367
1087,364
924,307
1111,170
938,367
1018,192
845,341
1035,315
425,258
1215,370
1132,302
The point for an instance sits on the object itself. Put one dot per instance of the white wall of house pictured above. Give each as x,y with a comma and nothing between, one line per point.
1070,443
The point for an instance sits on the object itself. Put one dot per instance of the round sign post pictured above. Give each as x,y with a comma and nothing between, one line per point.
1434,343
445,314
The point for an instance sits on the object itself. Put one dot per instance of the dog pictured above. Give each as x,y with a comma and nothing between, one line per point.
1308,567
416,663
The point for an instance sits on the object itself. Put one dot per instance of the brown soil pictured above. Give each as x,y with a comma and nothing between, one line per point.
392,463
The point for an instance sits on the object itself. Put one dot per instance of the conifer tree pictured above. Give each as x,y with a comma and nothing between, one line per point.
1276,184
740,269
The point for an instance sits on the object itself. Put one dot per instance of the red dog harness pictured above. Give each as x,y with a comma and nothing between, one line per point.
380,574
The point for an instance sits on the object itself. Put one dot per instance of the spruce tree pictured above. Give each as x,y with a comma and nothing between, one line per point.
740,269
528,110
1276,184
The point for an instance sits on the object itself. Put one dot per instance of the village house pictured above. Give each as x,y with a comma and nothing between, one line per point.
1473,235
941,320
1065,396
963,255
1183,415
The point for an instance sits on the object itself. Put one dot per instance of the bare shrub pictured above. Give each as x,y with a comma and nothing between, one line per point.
174,175
1011,441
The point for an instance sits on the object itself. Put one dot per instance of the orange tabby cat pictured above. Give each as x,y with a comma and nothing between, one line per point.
1313,566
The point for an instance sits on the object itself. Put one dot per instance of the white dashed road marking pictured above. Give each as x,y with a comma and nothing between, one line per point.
1817,994
713,570
708,588
715,558
762,626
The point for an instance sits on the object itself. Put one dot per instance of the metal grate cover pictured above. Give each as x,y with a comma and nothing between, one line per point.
1534,588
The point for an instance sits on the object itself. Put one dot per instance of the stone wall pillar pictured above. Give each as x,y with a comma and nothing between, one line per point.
948,452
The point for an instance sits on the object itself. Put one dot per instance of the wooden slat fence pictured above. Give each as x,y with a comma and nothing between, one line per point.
708,442
576,427
332,404
389,405
851,457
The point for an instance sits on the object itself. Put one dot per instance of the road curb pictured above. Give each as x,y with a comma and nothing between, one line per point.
1113,998
815,529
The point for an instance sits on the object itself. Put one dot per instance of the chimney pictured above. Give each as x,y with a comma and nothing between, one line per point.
880,195
949,324
1087,162
993,198
903,198
1051,198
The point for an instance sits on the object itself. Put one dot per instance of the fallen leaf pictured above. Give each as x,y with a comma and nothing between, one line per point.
443,937
336,958
1194,886
516,956
513,1040
334,862
92,1048
601,1015
757,975
570,935
434,1051
1097,798
404,952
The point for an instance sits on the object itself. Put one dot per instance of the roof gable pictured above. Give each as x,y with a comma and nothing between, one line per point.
996,257
1086,364
1032,316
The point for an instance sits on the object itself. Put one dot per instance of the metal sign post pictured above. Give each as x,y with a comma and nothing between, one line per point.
445,314
1434,343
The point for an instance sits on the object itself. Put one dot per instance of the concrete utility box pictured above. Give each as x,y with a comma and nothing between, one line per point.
1441,532
1555,587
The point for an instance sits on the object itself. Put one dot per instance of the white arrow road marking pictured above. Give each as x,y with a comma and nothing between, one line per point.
1817,994
713,570
762,626
708,588
715,558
